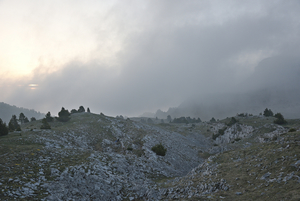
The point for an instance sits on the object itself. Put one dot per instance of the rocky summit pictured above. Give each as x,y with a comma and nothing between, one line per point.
96,157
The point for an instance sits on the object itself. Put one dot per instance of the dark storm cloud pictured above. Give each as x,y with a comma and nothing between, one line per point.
177,50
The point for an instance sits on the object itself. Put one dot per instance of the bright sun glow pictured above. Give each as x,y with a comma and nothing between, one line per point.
33,86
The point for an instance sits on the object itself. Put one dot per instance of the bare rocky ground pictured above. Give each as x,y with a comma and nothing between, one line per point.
95,157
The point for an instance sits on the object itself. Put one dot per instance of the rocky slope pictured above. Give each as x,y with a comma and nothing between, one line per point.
95,157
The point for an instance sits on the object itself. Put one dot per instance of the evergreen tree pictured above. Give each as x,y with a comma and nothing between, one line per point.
26,120
33,119
73,111
88,110
279,119
21,118
169,118
48,117
232,121
213,120
81,109
13,124
63,115
268,112
3,128
45,124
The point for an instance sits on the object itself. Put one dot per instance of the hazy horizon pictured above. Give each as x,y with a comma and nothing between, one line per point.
130,57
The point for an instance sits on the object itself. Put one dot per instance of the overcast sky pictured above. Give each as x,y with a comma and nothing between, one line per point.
129,57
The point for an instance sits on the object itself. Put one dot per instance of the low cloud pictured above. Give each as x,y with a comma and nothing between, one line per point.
170,52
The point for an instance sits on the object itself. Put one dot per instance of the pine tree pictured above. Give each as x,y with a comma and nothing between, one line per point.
81,109
268,112
21,118
13,124
45,124
63,115
48,117
26,120
3,128
88,110
280,119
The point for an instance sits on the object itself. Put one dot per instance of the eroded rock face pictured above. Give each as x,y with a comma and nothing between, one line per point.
113,172
119,163
236,131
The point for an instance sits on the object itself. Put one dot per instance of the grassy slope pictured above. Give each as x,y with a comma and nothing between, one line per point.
243,168
19,156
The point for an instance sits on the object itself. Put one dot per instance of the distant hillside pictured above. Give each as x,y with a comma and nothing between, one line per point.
273,84
6,112
225,105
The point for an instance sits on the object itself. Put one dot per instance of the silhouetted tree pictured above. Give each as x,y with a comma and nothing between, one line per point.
81,109
48,117
63,115
3,128
213,120
13,124
21,118
73,111
33,119
268,112
88,110
169,118
232,121
279,119
180,120
26,120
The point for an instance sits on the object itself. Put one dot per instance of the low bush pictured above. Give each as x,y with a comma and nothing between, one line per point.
214,136
292,130
232,121
159,150
279,119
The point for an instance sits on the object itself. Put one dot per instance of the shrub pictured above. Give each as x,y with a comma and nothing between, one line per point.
292,130
222,131
204,155
232,121
180,120
159,150
213,120
45,124
280,119
129,148
215,136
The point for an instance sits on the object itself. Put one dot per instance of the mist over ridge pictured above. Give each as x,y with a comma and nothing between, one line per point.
273,84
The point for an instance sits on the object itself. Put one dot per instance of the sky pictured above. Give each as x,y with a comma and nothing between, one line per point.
129,57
